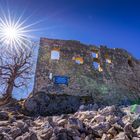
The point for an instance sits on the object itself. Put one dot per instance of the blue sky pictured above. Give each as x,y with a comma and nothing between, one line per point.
115,23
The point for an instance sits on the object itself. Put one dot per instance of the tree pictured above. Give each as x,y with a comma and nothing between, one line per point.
15,70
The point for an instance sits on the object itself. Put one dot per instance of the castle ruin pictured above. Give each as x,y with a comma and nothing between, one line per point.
70,67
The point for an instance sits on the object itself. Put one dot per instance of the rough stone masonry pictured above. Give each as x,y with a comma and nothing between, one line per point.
106,74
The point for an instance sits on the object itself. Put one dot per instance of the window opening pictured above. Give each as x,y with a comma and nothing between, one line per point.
50,76
94,55
78,60
108,61
107,58
97,66
55,54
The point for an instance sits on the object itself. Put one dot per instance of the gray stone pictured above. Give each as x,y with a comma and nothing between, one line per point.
117,127
129,130
46,134
5,136
138,131
73,132
3,115
112,119
19,124
33,136
135,138
46,104
76,138
12,119
31,105
99,118
121,136
62,136
20,138
62,122
112,110
103,127
75,123
136,123
27,136
89,137
82,108
4,123
105,137
15,132
5,129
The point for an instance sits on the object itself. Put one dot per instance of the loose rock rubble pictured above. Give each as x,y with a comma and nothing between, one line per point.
108,123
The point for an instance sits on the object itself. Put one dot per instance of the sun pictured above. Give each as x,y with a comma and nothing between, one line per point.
10,36
14,34
10,33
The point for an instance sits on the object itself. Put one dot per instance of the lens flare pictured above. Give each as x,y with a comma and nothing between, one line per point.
10,33
14,35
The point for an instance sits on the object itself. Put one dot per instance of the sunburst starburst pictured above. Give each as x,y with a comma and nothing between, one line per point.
14,34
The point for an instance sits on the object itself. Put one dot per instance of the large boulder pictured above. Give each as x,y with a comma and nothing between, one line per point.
48,104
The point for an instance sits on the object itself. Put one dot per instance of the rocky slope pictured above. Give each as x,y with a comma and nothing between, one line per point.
88,123
44,104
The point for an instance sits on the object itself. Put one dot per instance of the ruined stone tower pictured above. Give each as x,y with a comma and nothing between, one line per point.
105,74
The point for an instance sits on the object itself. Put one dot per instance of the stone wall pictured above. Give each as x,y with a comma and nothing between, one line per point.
116,78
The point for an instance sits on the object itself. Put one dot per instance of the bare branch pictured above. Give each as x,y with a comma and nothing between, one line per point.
15,69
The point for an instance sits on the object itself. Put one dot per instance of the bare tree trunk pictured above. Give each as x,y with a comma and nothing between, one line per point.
8,96
5,100
15,67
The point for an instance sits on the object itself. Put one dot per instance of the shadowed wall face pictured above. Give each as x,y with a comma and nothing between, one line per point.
103,73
